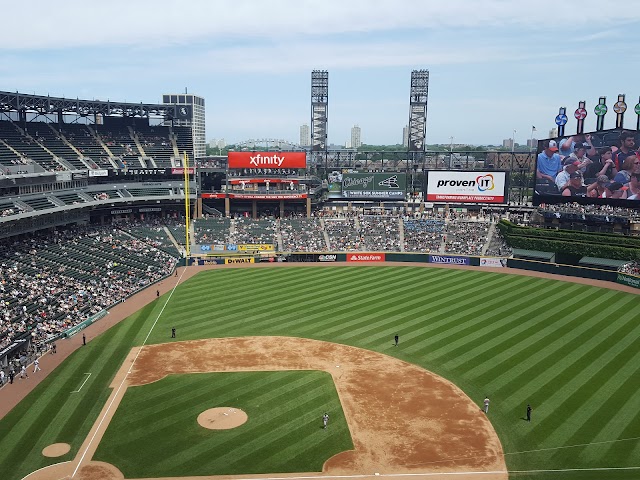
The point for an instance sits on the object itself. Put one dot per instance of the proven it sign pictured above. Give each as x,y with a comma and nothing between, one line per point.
365,257
466,187
267,160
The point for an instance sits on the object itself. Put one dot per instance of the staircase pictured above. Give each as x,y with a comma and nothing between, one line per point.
173,240
326,235
401,230
492,229
279,237
71,146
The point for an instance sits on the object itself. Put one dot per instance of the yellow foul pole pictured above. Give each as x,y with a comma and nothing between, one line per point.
187,210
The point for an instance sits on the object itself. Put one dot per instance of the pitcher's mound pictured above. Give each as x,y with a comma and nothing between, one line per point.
56,450
222,418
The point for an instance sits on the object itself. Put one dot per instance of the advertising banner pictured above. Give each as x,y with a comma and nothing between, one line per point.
492,262
466,187
180,171
213,195
256,247
448,260
628,280
328,258
365,257
267,160
228,261
383,186
98,173
263,196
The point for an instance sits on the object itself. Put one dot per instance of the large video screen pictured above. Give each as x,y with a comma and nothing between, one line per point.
455,186
360,185
597,167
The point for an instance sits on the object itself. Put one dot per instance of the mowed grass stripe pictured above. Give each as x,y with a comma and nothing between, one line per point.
543,332
604,362
546,379
505,333
403,316
448,320
467,324
616,389
251,310
525,324
563,340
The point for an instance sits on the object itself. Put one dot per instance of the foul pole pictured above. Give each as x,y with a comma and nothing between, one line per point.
187,210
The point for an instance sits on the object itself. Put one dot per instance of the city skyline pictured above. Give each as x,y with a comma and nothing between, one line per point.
491,73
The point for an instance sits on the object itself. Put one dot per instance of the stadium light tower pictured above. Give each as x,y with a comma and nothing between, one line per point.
418,97
319,109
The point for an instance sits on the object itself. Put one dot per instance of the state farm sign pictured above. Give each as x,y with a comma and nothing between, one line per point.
267,160
365,257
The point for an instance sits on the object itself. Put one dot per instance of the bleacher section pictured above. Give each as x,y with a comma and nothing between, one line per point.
302,235
70,198
466,237
39,203
81,138
423,235
380,233
184,139
254,231
28,147
118,140
153,234
49,284
55,144
156,144
212,230
343,234
7,157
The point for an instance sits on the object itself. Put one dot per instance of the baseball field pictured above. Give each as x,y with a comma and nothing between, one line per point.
265,352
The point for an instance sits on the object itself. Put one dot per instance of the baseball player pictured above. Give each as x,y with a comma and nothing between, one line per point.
529,412
36,366
486,404
23,372
395,340
325,420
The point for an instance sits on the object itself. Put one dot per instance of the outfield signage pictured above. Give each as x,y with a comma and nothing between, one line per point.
629,280
232,247
328,258
365,257
228,261
263,196
267,160
98,173
466,187
390,186
180,171
448,260
492,262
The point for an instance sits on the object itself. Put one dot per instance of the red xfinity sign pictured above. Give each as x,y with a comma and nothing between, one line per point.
365,257
267,160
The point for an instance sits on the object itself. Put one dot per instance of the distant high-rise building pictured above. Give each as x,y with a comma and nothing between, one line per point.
405,136
305,135
356,137
221,143
189,112
533,142
508,143
553,133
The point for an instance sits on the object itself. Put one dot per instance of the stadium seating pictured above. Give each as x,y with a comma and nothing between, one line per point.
343,234
212,230
423,235
254,231
302,235
156,144
380,233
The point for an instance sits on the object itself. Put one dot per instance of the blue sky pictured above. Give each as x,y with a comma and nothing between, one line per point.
495,65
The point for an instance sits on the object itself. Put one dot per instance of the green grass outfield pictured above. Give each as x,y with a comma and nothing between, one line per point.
572,351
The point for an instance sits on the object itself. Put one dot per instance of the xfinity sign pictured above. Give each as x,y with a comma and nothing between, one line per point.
466,187
267,160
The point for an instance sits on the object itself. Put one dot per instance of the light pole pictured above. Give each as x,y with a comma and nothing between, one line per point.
513,142
450,151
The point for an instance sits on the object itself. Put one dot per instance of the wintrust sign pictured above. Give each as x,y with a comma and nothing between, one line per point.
267,160
365,257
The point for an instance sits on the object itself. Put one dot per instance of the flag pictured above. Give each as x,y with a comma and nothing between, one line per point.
533,129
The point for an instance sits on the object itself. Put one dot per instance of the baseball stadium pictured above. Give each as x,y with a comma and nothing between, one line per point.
310,313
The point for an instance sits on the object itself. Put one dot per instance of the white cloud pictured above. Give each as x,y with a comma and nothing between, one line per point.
81,23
